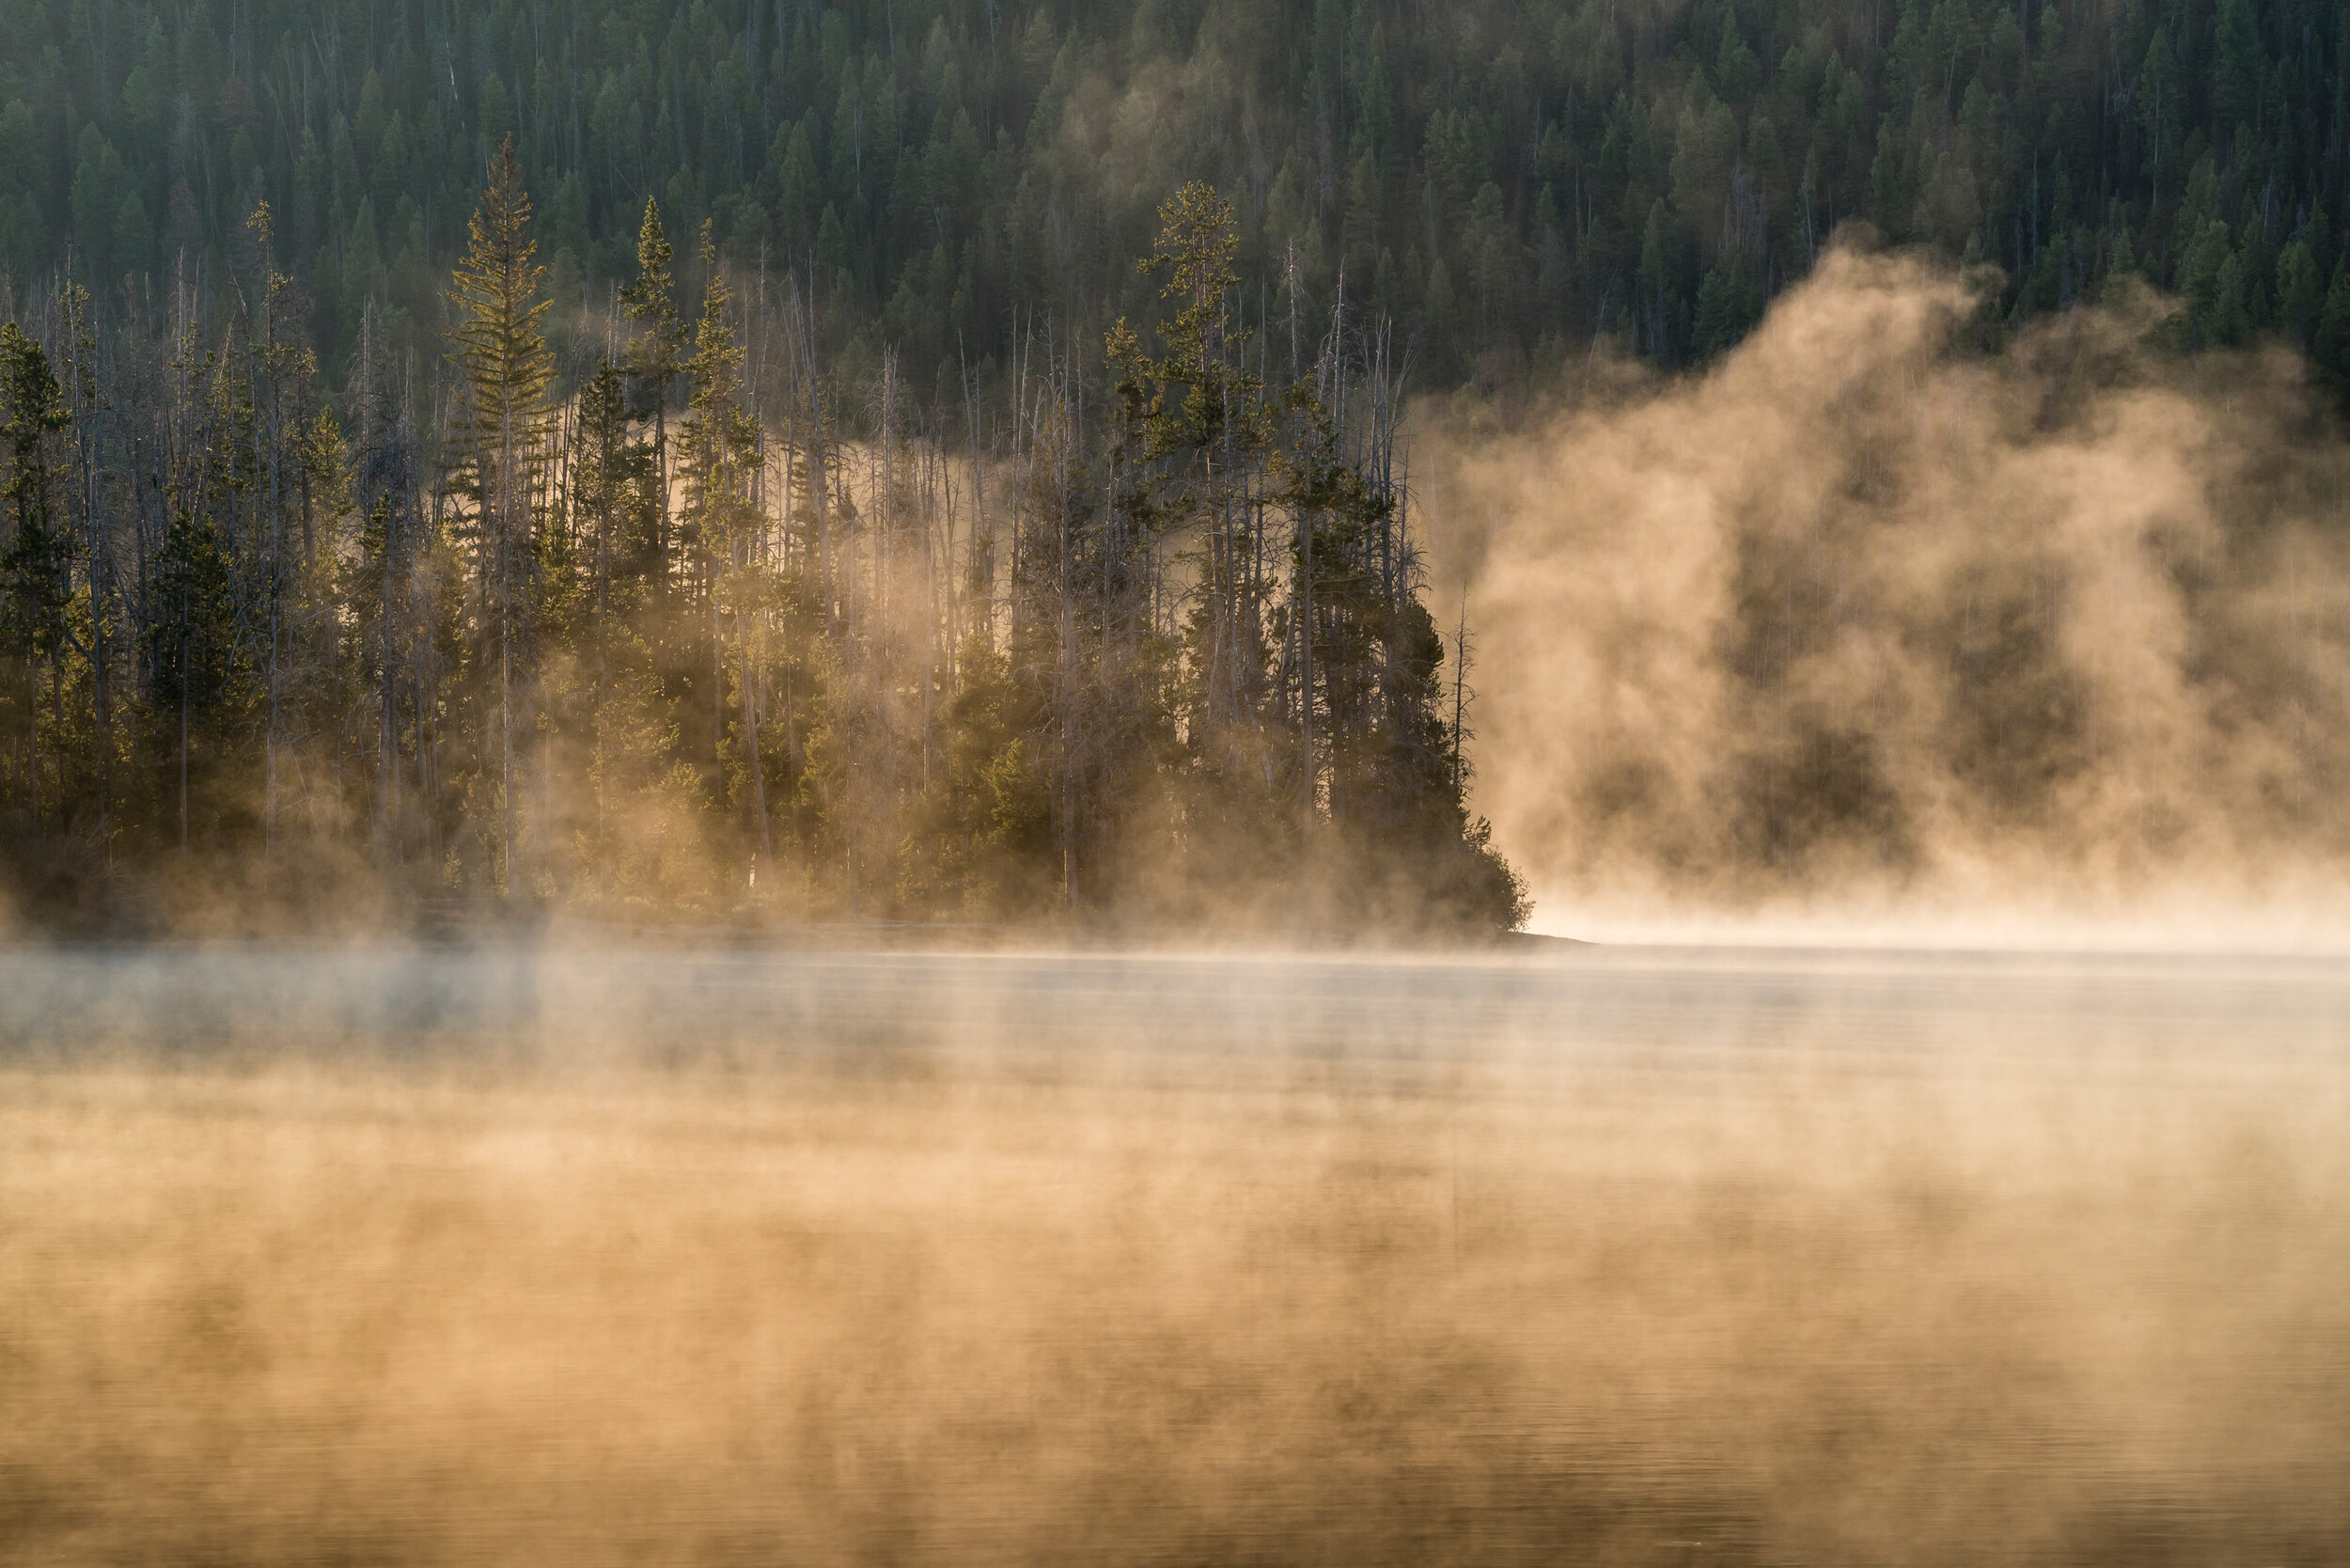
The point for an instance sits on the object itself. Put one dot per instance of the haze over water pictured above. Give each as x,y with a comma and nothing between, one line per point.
525,1254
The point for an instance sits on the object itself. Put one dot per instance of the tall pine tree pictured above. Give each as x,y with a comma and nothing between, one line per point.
501,439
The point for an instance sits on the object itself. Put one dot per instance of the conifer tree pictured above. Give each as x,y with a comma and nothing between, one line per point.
193,648
502,432
720,449
1199,411
655,356
273,392
39,555
611,478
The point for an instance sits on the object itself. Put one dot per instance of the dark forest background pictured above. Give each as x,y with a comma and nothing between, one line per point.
1504,181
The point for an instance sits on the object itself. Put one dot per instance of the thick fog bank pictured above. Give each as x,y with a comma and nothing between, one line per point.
1866,618
494,1254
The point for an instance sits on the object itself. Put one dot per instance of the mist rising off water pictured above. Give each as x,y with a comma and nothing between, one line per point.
1870,612
515,1255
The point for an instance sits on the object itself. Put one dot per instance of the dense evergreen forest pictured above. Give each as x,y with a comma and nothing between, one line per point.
708,455
1497,179
680,635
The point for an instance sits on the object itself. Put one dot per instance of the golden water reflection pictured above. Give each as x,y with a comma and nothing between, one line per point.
545,1257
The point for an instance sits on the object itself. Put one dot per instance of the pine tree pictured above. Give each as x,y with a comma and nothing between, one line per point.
655,356
39,558
1199,409
192,646
720,451
502,434
611,485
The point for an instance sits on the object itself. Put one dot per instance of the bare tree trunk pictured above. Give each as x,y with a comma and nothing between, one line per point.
759,775
816,474
1068,653
1460,687
1306,671
269,745
930,620
384,745
183,729
102,686
506,738
717,673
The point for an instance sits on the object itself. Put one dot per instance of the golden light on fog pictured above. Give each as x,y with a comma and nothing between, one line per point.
529,1255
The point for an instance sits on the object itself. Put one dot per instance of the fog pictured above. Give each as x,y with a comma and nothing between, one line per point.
574,1252
1999,1211
1870,622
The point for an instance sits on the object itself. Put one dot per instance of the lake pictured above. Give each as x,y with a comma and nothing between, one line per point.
587,1252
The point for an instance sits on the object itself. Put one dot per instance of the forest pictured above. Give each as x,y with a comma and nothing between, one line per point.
681,637
938,459
1504,182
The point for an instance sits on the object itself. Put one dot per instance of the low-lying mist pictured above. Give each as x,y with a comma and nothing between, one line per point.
511,1255
1869,616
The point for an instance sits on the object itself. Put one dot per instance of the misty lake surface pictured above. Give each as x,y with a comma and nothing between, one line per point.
568,1252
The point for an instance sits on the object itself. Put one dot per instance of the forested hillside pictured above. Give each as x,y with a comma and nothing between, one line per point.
1500,179
935,459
